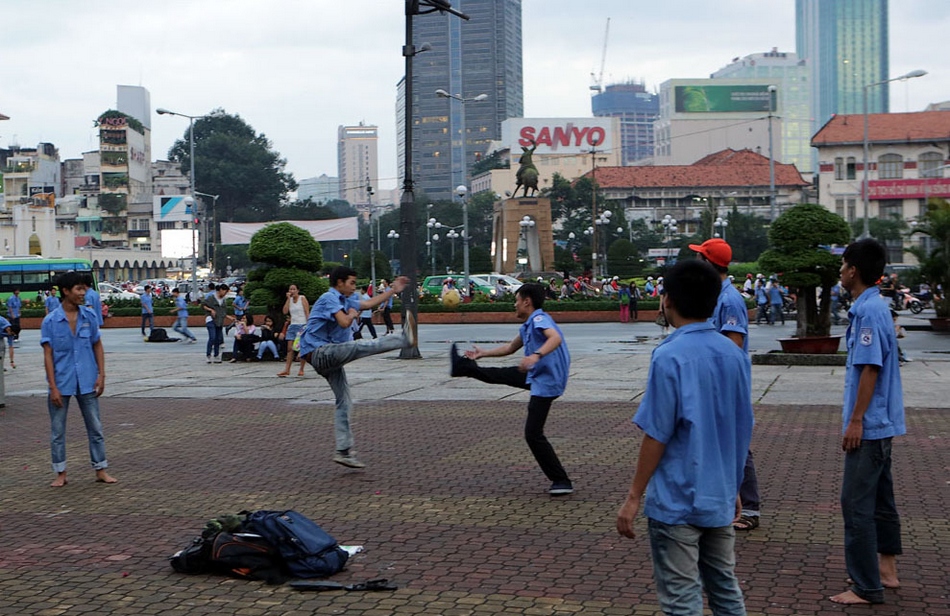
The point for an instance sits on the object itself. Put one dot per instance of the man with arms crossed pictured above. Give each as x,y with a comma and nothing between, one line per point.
873,414
696,416
75,366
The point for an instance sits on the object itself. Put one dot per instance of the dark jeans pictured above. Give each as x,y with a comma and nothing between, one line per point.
388,319
777,312
538,408
762,313
749,489
367,322
872,525
15,327
215,339
150,319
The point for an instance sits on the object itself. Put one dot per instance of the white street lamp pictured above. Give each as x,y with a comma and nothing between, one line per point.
461,191
525,223
721,223
669,228
393,236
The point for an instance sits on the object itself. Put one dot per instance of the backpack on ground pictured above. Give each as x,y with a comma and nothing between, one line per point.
158,334
194,559
246,556
307,550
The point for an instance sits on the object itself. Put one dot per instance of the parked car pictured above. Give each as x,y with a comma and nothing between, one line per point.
510,283
110,291
432,285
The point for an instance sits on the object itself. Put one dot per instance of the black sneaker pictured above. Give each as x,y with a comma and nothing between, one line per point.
561,488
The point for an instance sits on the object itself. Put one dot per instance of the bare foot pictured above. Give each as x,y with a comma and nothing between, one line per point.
849,598
888,567
60,480
891,584
104,477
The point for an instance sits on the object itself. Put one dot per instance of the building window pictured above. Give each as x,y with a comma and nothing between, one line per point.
890,167
851,169
839,168
839,207
930,164
166,224
891,209
851,210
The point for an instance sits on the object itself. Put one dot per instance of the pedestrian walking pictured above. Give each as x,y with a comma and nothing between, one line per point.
14,312
181,317
873,414
75,367
777,300
543,370
696,416
148,312
366,315
217,314
327,344
93,300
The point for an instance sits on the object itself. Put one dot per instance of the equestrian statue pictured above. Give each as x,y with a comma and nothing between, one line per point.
527,175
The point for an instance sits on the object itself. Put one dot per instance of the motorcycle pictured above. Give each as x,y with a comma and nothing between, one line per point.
905,300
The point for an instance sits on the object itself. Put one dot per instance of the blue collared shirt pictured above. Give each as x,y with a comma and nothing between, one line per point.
872,341
146,300
74,362
321,327
240,305
14,306
698,402
548,377
51,303
731,314
95,304
182,305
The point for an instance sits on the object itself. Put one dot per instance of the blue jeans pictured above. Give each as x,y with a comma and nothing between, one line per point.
749,488
181,326
267,345
89,405
329,360
150,319
215,339
872,525
687,559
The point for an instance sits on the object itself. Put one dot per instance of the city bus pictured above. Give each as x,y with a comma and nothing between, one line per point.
34,273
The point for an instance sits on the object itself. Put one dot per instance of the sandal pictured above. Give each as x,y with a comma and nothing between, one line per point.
746,522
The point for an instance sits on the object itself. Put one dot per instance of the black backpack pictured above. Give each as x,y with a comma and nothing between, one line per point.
246,556
158,334
194,559
307,551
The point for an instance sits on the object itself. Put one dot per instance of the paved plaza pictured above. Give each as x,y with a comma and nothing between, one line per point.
452,506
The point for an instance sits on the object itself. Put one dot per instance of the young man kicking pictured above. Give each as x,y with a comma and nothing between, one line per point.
327,344
696,416
872,416
543,370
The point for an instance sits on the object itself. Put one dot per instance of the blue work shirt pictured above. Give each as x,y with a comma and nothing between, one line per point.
14,306
321,327
240,305
731,314
761,297
182,305
74,362
698,402
872,341
146,303
548,377
95,304
51,303
775,293
4,324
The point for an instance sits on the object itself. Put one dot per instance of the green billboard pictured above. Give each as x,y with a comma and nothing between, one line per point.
721,99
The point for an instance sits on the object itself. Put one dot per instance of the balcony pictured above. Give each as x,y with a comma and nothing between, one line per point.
135,233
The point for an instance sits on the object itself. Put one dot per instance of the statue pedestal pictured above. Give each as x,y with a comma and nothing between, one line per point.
533,244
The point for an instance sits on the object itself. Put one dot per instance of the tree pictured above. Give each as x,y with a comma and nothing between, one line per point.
747,235
623,259
232,161
289,255
935,263
800,241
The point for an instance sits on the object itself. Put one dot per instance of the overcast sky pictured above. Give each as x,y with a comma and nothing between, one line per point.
297,69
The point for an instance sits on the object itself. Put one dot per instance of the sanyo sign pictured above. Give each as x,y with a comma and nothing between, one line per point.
560,135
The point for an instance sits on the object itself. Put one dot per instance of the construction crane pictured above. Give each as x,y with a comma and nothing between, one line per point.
598,79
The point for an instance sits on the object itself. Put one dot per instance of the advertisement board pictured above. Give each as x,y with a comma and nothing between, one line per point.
721,98
560,135
177,243
920,188
171,208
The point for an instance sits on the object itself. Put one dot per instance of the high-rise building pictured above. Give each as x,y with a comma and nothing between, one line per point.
467,59
845,44
637,110
319,189
357,163
790,75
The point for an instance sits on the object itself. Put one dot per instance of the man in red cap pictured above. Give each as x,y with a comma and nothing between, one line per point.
731,319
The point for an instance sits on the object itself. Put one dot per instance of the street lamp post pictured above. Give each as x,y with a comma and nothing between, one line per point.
432,223
191,182
772,91
525,223
721,223
866,232
393,236
461,190
669,228
603,219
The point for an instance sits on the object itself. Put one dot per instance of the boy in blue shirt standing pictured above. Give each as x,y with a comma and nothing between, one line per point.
696,416
14,310
873,414
75,366
148,313
543,370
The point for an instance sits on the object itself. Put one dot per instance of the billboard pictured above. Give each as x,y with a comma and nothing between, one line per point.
721,98
179,243
560,135
171,209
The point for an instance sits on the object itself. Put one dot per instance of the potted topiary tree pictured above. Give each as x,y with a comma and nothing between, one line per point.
800,243
289,255
935,263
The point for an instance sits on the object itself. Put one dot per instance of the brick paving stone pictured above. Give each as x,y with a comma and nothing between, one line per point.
451,507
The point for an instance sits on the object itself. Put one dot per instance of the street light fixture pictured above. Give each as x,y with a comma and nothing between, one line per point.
525,223
190,201
866,232
721,223
461,191
669,228
393,236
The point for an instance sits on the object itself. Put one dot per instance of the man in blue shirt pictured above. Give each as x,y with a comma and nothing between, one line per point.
696,416
148,313
731,319
14,310
75,366
181,317
93,301
777,300
51,302
327,344
873,414
543,370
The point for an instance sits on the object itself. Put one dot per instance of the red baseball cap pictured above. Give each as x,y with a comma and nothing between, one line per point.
716,251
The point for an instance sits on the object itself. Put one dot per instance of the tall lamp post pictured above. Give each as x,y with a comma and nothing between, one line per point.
393,236
772,91
721,223
525,223
407,204
669,228
866,232
602,221
431,224
460,191
191,182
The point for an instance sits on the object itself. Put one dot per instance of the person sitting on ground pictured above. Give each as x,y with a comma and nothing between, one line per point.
245,336
268,340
